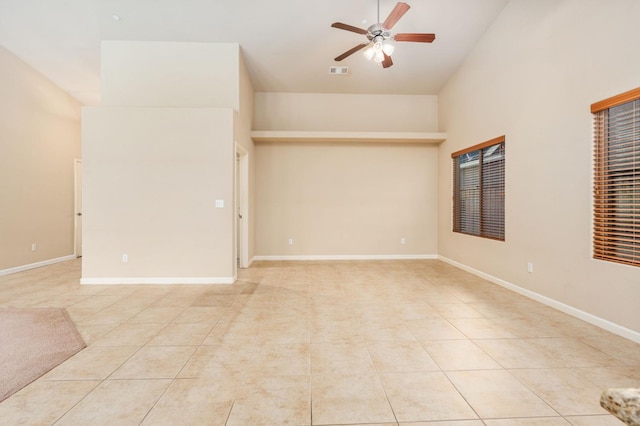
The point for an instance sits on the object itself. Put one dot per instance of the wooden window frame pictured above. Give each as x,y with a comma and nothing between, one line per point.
616,189
457,209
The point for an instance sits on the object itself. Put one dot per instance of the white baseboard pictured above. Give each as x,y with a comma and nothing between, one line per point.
350,257
570,310
158,280
36,265
250,262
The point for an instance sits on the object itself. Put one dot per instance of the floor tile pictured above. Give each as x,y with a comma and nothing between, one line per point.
92,363
194,402
480,328
617,347
385,332
156,315
410,402
44,402
607,420
456,310
129,335
223,360
280,360
497,394
281,400
354,340
154,362
434,329
214,300
567,392
91,333
611,377
452,355
518,353
400,356
341,358
181,334
541,421
574,353
122,402
347,399
194,315
445,423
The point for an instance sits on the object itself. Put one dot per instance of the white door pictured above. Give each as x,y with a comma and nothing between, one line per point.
78,207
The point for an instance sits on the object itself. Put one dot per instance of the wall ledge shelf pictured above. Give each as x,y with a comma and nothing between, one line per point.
259,136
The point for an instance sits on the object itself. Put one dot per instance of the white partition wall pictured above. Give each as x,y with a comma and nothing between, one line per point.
159,164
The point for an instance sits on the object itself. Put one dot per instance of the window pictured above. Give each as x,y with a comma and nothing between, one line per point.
478,190
616,230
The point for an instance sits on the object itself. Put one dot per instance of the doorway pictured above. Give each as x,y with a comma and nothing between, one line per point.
241,206
77,209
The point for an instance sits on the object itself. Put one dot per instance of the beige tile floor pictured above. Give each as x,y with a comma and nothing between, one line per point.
322,343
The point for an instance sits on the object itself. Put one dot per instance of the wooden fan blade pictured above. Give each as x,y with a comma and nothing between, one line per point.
395,15
420,38
387,61
346,27
350,52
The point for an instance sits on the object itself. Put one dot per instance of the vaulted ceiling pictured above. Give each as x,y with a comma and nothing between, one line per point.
288,45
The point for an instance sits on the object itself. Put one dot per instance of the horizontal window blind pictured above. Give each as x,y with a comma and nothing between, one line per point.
616,234
478,199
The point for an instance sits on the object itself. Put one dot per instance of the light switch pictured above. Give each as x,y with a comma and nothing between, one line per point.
219,204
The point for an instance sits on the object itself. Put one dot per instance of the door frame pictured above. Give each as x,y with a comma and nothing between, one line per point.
77,209
241,206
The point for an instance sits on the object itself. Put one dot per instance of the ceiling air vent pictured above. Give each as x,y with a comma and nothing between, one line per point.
339,70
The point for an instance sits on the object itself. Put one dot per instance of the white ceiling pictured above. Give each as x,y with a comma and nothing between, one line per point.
288,45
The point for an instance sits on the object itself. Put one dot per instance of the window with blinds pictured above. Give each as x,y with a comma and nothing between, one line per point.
478,189
616,229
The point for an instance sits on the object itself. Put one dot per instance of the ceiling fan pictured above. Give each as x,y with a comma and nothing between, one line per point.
380,45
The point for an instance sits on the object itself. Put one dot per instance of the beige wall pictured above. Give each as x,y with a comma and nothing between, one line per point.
171,74
158,154
346,199
345,112
532,77
151,178
39,139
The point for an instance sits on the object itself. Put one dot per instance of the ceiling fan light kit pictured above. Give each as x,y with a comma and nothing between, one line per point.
380,46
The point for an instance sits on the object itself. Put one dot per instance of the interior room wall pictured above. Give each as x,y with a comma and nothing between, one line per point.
40,128
346,112
152,178
159,154
533,77
346,200
171,74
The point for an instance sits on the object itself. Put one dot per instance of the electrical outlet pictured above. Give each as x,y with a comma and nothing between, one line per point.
34,247
403,241
529,267
290,241
125,258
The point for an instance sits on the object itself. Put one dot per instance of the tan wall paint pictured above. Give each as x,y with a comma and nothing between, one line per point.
532,77
344,112
40,137
345,199
171,74
158,154
152,176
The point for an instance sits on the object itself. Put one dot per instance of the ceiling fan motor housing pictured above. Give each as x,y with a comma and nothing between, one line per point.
377,30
